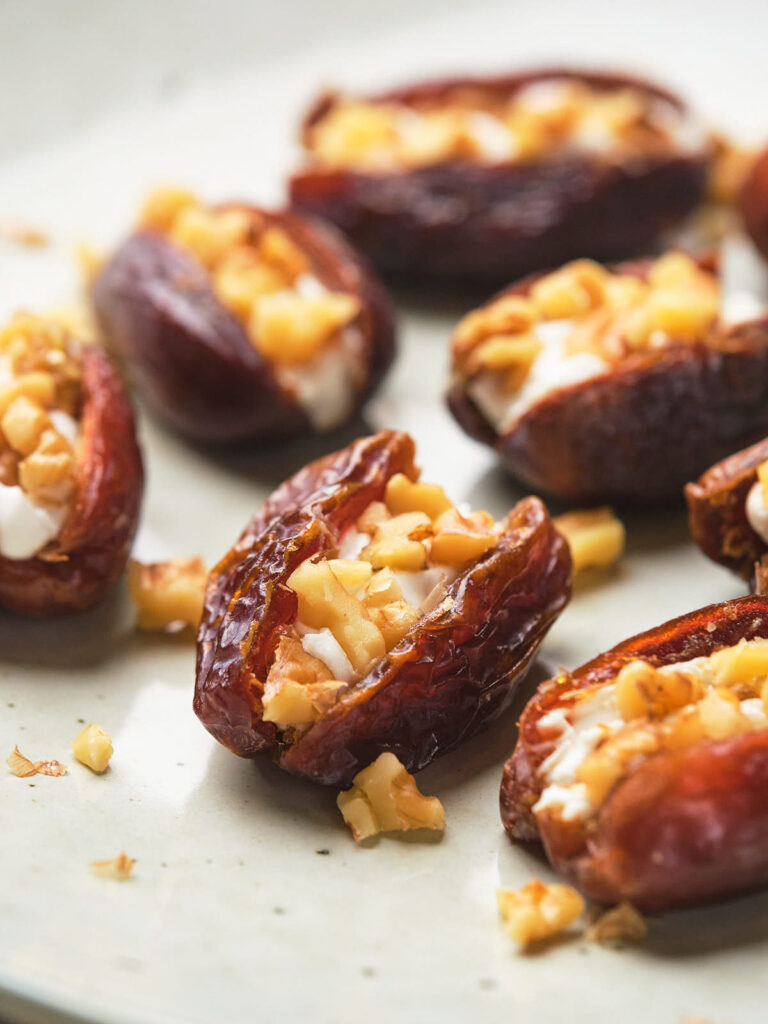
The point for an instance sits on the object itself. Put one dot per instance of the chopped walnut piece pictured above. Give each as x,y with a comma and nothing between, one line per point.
376,514
281,253
324,603
394,620
47,473
292,328
538,911
741,666
93,748
508,315
168,594
23,423
404,495
385,798
721,715
119,868
163,206
397,542
299,687
643,691
571,291
603,768
514,355
461,539
595,536
22,767
618,925
208,233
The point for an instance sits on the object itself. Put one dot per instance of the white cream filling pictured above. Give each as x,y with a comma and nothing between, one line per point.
323,644
552,369
26,526
739,306
327,386
352,543
757,512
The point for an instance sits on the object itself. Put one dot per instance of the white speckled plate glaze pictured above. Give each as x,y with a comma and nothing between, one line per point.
249,900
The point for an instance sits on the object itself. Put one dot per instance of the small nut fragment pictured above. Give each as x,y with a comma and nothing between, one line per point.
281,253
509,315
721,715
292,328
572,291
299,687
209,234
168,594
404,495
397,543
93,748
394,620
604,767
22,767
618,925
119,868
385,798
514,355
163,206
741,666
460,539
48,472
643,691
595,536
538,911
23,424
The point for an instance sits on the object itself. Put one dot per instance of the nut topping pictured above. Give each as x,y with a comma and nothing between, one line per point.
93,748
167,595
595,536
538,911
385,798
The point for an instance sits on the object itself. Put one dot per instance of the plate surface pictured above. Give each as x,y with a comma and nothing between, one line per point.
250,900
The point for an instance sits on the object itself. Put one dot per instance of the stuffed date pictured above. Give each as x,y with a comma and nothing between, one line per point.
361,612
753,202
644,773
493,178
621,384
70,470
728,511
242,324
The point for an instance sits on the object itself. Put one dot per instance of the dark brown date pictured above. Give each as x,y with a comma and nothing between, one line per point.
91,552
192,358
461,219
639,431
680,827
452,673
753,203
717,514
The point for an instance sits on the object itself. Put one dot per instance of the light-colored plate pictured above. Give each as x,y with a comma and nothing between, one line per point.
250,900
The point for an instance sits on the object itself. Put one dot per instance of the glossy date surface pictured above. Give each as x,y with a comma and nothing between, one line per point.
450,675
681,827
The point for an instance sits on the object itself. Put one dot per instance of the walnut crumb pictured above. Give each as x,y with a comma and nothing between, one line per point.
93,748
618,925
119,868
538,911
24,234
168,595
385,798
23,768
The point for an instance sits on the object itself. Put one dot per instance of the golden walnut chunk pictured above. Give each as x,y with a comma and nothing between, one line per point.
168,594
643,691
385,798
512,355
404,495
604,767
742,666
595,536
571,291
299,687
292,328
460,539
209,234
324,603
509,315
618,925
397,542
23,424
538,911
93,748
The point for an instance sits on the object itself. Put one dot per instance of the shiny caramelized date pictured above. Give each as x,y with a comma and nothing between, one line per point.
242,324
644,772
753,202
70,470
728,512
493,178
360,612
599,384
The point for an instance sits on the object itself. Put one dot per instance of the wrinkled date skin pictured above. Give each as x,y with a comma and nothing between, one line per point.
717,511
753,203
680,828
463,220
643,428
192,358
453,673
91,552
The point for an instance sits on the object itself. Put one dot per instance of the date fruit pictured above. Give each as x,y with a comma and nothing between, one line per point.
360,612
644,772
727,514
609,385
239,324
71,474
488,179
753,203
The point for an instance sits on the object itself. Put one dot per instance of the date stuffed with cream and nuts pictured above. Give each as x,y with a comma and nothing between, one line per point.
361,612
493,178
242,324
70,470
728,511
620,384
645,772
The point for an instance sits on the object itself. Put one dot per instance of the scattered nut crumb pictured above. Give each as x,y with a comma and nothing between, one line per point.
22,767
595,536
619,924
168,595
24,234
119,868
538,911
93,748
385,798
